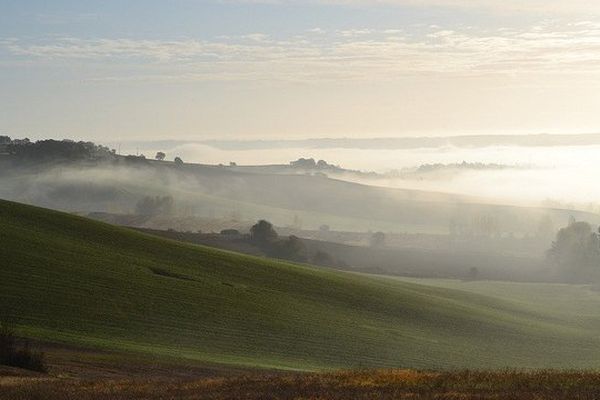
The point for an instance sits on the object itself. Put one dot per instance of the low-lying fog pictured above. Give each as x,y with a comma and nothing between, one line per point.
560,175
436,227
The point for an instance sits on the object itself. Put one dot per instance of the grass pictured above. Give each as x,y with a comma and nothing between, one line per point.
72,280
576,305
381,385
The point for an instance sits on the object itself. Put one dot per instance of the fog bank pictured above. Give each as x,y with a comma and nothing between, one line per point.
559,174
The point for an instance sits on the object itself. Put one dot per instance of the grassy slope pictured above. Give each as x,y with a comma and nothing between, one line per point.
576,305
70,279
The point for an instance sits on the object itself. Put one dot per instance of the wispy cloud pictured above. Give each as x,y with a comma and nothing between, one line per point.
346,54
534,6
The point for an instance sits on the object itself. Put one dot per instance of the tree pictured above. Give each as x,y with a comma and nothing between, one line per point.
322,164
160,156
576,252
262,232
178,161
290,249
485,226
378,239
305,163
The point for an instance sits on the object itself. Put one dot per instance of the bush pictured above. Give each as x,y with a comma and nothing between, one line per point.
19,356
291,249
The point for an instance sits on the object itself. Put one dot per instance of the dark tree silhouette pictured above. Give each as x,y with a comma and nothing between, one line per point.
160,156
178,161
291,248
262,232
56,150
576,252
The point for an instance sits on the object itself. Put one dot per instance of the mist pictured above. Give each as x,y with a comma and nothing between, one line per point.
533,175
454,212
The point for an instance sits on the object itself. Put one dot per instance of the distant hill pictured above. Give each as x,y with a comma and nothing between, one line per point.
534,140
70,279
116,184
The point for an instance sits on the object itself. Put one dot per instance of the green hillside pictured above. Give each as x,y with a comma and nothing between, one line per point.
73,280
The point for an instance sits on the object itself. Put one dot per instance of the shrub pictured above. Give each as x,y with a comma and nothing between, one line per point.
291,249
23,356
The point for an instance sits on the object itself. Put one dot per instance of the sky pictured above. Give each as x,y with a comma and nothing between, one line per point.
190,69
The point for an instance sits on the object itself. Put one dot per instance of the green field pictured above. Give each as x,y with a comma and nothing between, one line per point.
69,279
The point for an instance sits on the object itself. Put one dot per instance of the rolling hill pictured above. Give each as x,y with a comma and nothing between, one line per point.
211,191
69,279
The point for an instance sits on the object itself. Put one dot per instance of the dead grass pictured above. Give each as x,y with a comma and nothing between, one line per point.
359,385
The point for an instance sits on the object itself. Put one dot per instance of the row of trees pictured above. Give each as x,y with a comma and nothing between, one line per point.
263,235
65,149
310,163
575,253
292,248
160,156
54,149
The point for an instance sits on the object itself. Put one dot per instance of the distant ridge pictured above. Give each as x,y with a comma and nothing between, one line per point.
537,140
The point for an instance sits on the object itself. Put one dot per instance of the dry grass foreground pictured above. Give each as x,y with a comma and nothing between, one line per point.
382,384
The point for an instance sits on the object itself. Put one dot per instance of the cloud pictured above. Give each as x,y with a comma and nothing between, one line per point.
533,6
365,54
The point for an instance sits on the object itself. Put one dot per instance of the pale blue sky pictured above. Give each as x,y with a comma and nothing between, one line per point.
196,69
